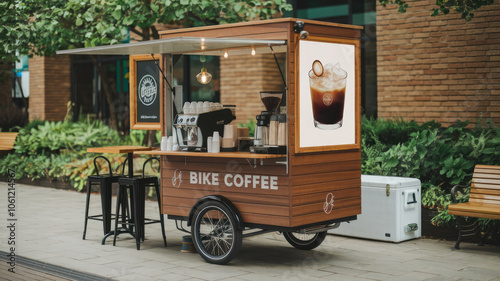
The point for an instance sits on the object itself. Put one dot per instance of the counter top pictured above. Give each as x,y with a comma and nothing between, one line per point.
117,149
206,154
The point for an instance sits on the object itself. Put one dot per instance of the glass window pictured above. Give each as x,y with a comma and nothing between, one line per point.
190,66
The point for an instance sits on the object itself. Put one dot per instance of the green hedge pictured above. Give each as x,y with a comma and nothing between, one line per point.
57,150
440,157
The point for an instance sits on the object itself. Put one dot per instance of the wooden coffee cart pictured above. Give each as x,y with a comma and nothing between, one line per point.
302,193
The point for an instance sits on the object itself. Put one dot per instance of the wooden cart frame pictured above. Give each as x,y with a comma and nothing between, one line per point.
308,179
308,190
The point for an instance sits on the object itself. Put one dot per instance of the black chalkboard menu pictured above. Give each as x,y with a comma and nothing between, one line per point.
146,88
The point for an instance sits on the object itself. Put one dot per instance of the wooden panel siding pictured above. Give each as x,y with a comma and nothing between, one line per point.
256,205
322,216
310,192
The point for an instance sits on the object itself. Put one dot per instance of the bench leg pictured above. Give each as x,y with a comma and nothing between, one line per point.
459,224
466,227
481,239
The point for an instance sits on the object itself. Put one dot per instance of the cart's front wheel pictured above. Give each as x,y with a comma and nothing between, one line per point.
215,233
305,241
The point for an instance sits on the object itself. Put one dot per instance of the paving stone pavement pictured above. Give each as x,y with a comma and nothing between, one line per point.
50,224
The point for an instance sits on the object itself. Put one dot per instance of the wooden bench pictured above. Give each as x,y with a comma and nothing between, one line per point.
484,200
7,141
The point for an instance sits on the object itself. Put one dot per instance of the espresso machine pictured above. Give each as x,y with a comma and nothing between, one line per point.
193,130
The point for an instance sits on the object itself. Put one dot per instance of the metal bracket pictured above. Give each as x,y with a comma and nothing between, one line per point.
317,229
181,227
254,165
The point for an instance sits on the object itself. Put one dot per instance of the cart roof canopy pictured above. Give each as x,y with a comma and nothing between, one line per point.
184,45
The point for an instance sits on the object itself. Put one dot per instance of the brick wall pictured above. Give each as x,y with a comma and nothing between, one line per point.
50,87
242,80
438,68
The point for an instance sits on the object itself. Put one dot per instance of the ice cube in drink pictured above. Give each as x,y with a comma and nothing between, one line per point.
328,97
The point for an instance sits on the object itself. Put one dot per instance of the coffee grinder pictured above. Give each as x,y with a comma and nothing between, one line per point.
271,101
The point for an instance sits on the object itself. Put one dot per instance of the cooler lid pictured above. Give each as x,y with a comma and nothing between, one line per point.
393,182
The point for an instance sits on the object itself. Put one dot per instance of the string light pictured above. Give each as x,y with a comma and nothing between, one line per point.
253,51
226,54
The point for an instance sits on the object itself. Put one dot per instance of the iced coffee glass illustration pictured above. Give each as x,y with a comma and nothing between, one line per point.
328,95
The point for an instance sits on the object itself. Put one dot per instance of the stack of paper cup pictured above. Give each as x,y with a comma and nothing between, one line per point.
163,144
229,140
216,143
209,144
170,143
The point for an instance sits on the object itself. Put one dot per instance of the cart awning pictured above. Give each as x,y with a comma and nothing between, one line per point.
184,45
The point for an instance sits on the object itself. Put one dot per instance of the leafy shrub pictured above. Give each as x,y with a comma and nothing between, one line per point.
52,137
250,125
32,125
439,157
78,171
57,150
391,132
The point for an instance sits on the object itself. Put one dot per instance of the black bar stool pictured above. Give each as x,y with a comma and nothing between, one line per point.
137,187
105,182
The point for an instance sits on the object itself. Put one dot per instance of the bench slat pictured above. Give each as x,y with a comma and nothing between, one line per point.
485,186
487,181
491,167
475,208
7,141
477,198
475,215
487,169
485,191
487,176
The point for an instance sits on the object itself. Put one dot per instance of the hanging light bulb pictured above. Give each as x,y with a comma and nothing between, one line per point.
204,77
253,51
226,54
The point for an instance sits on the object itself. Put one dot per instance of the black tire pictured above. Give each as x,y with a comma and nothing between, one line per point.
216,236
305,241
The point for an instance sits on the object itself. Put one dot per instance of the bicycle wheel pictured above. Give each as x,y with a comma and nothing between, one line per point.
305,241
215,234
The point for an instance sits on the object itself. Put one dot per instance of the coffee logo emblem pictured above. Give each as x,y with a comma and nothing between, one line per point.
148,90
328,205
327,99
177,178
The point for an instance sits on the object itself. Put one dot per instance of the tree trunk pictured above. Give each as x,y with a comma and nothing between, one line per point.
113,122
6,83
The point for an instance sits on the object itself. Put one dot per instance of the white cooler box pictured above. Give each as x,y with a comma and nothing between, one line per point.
390,210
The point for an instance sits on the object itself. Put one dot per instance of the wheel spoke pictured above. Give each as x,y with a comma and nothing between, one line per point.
216,225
